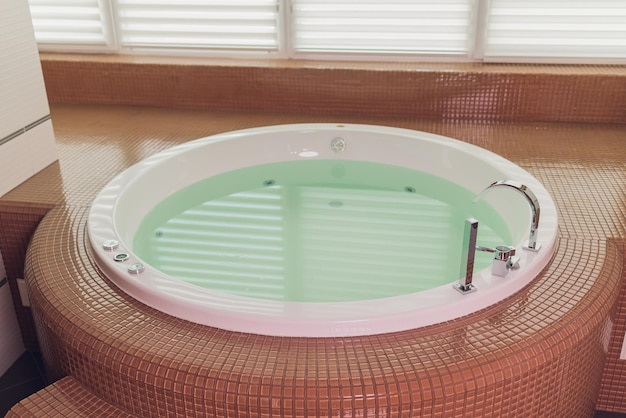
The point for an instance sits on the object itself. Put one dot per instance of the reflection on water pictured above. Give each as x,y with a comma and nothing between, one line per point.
316,236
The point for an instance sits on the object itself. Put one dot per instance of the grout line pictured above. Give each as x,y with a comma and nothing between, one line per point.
24,129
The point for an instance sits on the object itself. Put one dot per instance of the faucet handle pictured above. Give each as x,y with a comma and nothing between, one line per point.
504,252
513,263
501,252
507,254
504,259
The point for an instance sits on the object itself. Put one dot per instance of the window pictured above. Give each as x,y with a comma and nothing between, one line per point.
79,25
490,30
556,29
372,26
192,24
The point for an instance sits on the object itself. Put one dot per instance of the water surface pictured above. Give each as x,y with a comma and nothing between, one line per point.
317,231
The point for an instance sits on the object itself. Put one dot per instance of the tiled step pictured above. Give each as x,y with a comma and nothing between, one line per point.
65,398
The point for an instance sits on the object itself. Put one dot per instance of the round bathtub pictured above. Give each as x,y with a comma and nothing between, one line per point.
120,208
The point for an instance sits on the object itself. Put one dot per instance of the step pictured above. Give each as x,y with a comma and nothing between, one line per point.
65,398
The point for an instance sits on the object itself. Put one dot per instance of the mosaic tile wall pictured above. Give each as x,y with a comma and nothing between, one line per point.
594,94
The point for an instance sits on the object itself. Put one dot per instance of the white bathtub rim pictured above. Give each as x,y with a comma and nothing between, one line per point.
309,319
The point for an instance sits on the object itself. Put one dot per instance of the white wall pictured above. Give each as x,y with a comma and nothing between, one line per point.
11,345
24,149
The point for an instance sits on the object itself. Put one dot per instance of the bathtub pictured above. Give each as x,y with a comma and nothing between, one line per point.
120,208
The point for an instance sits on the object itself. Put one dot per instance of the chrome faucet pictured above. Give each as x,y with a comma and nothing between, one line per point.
532,243
504,258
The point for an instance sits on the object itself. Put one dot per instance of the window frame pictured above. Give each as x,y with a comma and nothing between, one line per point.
286,49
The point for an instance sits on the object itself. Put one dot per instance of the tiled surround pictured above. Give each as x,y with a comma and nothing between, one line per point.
538,354
444,91
541,353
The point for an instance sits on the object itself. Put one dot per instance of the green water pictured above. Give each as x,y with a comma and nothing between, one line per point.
317,230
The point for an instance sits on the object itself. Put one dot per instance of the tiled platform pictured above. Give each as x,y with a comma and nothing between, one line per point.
64,398
539,354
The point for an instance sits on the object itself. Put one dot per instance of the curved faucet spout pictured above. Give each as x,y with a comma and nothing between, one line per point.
534,207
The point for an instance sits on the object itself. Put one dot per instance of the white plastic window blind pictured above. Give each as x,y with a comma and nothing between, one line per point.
556,28
374,26
204,24
78,23
501,30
